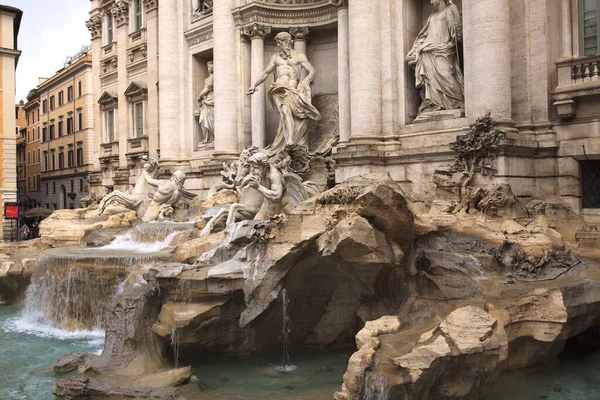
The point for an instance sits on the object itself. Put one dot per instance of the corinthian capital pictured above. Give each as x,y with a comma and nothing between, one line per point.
95,26
339,3
120,11
299,33
256,31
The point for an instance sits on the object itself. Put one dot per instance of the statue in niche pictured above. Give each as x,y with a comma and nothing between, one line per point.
268,188
435,59
204,6
289,94
169,195
206,109
134,198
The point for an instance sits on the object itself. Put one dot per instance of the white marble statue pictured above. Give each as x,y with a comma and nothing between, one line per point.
169,194
267,190
435,59
134,198
206,109
290,94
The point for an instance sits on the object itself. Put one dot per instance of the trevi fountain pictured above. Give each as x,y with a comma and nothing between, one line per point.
284,281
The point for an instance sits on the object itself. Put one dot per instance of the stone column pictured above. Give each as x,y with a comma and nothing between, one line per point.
365,68
257,33
152,112
343,69
95,26
300,35
487,58
566,30
226,78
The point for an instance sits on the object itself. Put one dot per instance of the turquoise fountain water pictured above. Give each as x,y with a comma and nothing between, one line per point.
28,350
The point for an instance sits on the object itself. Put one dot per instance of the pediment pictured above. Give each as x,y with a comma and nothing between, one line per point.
136,91
107,98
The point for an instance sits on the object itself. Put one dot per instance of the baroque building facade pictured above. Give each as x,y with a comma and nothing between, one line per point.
10,23
396,83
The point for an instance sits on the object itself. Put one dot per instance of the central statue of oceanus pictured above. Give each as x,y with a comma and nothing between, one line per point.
290,94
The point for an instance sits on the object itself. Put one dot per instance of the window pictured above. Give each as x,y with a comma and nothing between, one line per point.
39,158
109,28
60,128
70,159
61,160
81,185
53,163
44,106
39,182
69,125
46,167
33,134
72,186
52,131
28,158
79,156
79,120
137,10
52,102
44,132
590,184
61,98
54,189
589,21
70,93
110,126
78,88
138,116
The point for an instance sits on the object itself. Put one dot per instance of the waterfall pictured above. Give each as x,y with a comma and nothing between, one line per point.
286,329
376,387
175,343
71,287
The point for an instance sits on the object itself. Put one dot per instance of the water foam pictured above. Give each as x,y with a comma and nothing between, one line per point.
127,243
33,325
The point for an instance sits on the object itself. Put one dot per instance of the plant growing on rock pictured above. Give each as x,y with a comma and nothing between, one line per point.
475,152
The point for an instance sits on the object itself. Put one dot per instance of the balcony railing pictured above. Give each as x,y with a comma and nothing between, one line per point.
109,151
578,77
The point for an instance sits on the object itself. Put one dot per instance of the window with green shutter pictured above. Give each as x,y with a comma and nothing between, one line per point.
139,119
589,21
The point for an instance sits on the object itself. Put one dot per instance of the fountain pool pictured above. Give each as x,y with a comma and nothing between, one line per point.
28,350
317,376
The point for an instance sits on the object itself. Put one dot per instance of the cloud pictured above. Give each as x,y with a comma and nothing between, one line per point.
50,32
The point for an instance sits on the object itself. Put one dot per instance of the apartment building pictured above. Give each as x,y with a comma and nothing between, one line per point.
32,153
65,120
10,22
20,131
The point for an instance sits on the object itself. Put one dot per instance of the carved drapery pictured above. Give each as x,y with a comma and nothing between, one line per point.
120,12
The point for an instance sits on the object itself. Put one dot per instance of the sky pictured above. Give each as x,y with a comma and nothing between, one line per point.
51,30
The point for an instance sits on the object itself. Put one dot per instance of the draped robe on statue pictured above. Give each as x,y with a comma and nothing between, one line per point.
295,107
437,67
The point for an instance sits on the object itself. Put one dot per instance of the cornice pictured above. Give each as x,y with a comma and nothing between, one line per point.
200,34
278,15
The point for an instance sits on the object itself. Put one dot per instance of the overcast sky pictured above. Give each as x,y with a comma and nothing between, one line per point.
51,30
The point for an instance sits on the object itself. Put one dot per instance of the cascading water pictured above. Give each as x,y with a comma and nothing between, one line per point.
175,343
376,387
286,329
